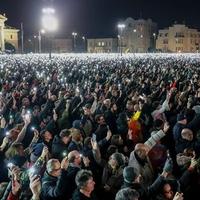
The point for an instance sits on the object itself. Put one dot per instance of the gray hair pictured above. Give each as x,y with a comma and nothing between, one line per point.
127,194
82,177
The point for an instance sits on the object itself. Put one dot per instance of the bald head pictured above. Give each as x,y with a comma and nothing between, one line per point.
187,134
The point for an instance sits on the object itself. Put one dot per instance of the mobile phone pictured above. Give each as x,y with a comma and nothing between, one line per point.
94,137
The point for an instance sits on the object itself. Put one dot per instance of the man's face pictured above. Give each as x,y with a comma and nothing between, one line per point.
101,120
168,192
90,185
56,169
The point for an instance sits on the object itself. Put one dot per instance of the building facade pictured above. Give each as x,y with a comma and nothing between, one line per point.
178,38
102,45
138,36
7,34
62,45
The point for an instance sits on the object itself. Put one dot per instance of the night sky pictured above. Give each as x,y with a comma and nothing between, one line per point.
98,18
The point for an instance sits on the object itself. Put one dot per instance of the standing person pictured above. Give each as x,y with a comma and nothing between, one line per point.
85,186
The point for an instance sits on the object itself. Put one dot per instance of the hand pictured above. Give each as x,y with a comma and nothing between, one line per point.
45,152
82,98
64,163
178,196
166,127
107,187
35,186
94,144
15,186
36,134
27,119
3,122
130,137
86,161
193,163
109,135
55,116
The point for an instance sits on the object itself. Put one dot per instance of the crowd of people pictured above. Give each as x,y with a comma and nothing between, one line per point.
100,126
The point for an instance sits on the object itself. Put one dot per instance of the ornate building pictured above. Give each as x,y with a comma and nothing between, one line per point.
7,34
178,38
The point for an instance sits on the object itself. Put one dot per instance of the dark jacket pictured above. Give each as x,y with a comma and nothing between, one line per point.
177,130
74,146
58,148
145,193
72,171
80,196
54,188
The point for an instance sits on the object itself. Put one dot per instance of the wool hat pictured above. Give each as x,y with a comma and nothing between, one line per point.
130,174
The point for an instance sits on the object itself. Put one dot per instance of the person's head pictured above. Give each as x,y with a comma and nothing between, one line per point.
182,119
116,160
46,135
74,157
100,119
53,98
84,181
131,175
36,110
87,142
127,194
53,167
117,140
130,106
187,134
16,149
136,108
65,136
107,103
76,135
141,150
87,109
25,102
168,191
114,108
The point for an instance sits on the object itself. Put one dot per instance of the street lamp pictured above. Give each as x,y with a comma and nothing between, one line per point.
84,43
35,36
154,41
121,28
74,34
42,31
49,24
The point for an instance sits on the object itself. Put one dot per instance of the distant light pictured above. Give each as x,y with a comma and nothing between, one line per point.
42,31
134,30
49,20
83,38
121,26
48,10
74,34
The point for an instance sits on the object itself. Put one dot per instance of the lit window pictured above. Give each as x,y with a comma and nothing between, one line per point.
103,43
99,44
